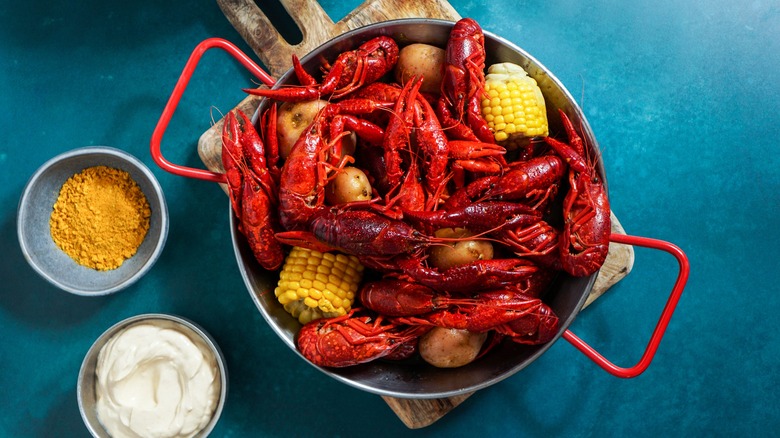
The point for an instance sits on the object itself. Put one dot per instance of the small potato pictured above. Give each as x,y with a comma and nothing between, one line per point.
450,348
421,59
350,185
459,253
292,119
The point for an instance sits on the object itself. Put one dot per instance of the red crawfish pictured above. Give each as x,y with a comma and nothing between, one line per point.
355,338
358,232
584,243
251,189
315,157
397,140
396,297
463,83
367,233
473,276
533,182
477,217
351,70
432,142
525,319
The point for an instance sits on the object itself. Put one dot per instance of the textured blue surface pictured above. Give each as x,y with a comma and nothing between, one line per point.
683,97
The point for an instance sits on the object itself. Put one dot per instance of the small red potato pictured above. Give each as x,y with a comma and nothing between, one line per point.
459,253
350,185
292,119
450,348
421,60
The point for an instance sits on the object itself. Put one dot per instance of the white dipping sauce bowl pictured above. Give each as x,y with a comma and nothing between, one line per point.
87,379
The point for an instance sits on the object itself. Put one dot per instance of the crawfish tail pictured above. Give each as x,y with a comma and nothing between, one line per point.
392,297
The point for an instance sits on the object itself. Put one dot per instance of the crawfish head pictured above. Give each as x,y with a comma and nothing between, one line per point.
533,328
302,179
394,297
535,180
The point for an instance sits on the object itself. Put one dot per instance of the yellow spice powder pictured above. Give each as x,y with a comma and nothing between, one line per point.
100,217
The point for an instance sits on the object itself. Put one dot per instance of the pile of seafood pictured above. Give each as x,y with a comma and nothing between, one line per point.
456,231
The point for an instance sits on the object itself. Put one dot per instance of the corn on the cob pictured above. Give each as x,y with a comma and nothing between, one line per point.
514,107
313,285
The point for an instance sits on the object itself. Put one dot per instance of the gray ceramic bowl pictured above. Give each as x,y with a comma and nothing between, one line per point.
85,388
35,208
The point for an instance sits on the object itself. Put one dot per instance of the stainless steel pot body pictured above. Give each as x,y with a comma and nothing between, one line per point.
419,380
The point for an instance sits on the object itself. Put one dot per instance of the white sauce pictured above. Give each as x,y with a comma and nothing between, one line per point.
155,382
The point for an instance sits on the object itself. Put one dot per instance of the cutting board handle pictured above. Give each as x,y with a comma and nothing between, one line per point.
266,40
315,24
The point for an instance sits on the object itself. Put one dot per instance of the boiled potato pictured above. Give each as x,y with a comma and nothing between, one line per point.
350,185
421,60
292,119
459,253
450,348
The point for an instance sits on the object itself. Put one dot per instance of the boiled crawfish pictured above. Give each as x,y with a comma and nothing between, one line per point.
476,275
463,83
584,243
523,318
355,338
351,70
251,188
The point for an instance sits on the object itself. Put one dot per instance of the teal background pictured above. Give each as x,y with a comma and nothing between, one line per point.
682,96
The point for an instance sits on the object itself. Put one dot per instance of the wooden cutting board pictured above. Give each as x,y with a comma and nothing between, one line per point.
316,28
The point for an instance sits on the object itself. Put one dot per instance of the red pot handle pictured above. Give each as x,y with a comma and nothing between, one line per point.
663,322
178,91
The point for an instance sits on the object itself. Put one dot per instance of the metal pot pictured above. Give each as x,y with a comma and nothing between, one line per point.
566,298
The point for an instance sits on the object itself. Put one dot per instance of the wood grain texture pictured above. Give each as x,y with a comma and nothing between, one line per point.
316,28
416,413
